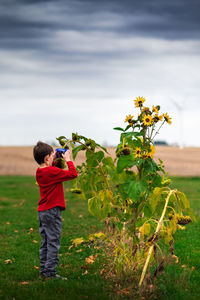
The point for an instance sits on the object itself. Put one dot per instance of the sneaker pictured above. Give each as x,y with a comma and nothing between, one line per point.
59,277
42,276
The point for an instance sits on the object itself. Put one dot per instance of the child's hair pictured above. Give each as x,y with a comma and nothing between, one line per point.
40,151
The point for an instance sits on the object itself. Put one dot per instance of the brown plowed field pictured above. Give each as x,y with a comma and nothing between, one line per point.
182,162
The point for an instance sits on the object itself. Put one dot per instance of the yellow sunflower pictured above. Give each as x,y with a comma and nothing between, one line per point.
155,109
167,118
129,119
157,118
137,152
147,120
152,151
139,101
145,109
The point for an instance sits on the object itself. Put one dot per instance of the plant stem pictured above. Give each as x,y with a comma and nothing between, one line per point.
157,230
158,130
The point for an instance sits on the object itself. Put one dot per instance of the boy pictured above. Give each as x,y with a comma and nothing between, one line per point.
50,205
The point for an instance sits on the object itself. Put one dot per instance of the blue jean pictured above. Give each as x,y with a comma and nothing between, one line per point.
50,230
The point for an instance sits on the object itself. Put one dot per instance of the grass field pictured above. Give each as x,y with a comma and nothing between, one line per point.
19,260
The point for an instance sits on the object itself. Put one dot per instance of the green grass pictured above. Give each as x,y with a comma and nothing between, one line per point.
181,281
18,210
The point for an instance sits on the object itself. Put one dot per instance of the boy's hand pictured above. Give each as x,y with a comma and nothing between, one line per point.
67,155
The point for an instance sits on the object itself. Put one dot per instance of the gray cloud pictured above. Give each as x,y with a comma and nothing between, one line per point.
83,60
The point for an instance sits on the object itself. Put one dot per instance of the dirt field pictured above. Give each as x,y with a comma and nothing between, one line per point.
183,162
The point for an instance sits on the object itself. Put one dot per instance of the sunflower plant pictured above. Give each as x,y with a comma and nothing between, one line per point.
131,192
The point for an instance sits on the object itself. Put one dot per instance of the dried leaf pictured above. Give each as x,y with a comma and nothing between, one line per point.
176,258
91,259
80,250
35,242
8,261
30,230
7,223
24,282
86,272
35,267
67,253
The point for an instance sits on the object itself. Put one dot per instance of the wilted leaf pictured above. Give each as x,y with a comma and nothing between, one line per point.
35,242
145,229
78,241
80,250
7,223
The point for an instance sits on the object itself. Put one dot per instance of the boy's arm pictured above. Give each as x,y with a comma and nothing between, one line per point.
71,173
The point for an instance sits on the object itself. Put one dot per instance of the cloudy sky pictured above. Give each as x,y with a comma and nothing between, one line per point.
76,66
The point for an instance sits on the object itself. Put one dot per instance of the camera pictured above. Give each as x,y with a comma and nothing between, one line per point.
60,151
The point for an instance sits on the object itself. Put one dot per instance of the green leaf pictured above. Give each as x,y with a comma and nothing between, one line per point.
118,128
93,159
127,127
107,161
183,199
99,208
125,161
134,189
61,137
76,150
130,134
103,148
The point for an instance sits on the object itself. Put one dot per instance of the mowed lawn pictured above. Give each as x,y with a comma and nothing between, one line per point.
20,241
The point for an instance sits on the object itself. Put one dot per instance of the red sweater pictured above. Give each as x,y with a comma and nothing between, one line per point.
51,188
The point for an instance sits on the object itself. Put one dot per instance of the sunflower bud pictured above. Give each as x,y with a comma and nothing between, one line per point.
62,142
88,142
60,163
75,137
